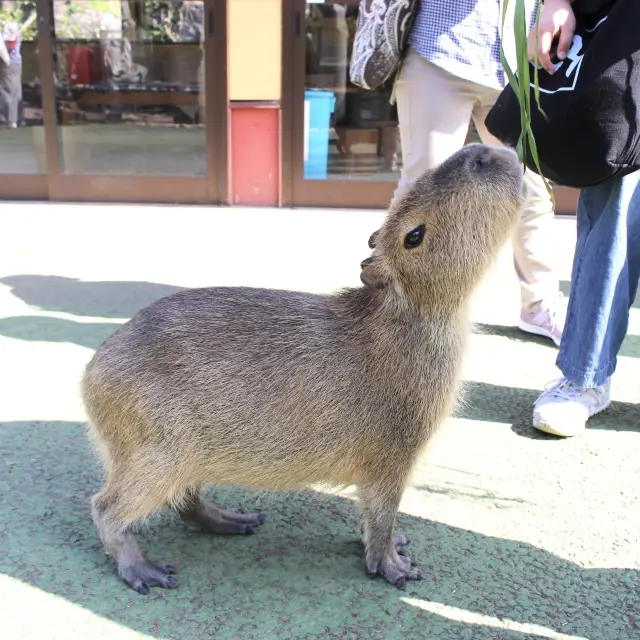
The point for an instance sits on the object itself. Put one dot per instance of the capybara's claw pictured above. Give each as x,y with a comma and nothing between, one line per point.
141,575
395,569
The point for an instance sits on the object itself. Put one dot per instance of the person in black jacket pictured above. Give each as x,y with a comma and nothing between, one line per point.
605,271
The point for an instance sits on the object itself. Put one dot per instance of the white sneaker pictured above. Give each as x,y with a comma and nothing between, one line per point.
563,409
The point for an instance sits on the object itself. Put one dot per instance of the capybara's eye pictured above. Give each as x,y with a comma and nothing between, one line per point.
414,238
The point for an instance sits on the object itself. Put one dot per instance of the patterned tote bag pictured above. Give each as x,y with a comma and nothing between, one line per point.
382,32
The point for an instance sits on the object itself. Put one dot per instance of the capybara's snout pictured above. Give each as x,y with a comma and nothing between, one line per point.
493,161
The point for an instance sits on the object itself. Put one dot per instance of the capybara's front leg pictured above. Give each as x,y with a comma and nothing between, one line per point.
379,507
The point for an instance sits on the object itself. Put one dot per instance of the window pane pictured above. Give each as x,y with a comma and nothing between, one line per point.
130,87
350,133
21,131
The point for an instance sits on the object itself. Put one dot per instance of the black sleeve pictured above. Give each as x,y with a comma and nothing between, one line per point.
590,6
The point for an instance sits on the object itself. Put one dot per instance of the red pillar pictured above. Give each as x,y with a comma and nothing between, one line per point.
255,153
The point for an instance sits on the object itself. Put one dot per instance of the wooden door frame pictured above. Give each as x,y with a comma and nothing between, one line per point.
298,192
212,188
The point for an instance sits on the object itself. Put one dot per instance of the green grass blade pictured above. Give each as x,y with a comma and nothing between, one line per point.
521,84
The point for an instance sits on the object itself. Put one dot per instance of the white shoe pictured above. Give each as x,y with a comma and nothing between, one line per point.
563,409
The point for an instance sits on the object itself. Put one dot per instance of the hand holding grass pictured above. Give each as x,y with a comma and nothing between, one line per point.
556,20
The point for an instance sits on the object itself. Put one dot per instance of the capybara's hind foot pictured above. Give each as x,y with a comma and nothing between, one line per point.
141,575
395,569
208,517
400,542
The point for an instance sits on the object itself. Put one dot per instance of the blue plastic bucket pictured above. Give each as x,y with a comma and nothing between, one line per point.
318,107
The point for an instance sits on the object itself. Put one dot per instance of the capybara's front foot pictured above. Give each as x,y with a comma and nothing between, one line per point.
394,568
141,575
382,548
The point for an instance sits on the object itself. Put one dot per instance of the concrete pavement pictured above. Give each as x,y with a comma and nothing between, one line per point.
519,535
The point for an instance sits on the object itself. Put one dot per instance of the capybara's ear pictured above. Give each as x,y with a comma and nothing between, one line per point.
372,239
371,274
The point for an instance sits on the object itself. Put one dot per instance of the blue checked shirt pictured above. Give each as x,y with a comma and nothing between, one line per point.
463,37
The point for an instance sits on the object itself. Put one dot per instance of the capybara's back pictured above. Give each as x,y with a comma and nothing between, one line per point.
239,386
277,389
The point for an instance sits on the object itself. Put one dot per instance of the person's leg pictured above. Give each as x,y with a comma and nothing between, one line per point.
6,94
543,308
604,283
15,70
434,109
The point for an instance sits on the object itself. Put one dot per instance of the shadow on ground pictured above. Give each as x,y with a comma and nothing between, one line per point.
630,347
565,287
92,334
487,402
117,300
300,576
47,329
122,300
84,298
511,332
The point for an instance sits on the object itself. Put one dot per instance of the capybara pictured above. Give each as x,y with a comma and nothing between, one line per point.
280,390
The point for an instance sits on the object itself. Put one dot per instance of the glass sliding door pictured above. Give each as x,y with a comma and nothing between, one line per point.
23,163
345,140
139,99
350,134
341,144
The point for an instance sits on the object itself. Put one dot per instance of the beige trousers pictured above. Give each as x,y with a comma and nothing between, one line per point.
434,111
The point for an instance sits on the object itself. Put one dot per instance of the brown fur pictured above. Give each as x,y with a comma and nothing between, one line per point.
278,389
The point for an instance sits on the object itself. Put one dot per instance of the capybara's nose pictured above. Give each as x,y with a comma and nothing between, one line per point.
491,154
483,161
366,262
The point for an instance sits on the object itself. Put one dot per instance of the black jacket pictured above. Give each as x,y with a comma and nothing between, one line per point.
590,6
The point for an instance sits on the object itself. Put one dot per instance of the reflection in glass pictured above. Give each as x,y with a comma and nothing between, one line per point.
350,133
129,78
22,148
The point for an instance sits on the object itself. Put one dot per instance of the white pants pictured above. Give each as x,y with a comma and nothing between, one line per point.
434,111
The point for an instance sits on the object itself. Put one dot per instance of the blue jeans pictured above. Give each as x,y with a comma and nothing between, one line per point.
604,280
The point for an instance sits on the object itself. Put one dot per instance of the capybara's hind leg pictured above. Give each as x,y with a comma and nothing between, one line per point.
138,572
202,514
379,506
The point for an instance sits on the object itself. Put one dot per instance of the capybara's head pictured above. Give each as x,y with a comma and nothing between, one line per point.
441,235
